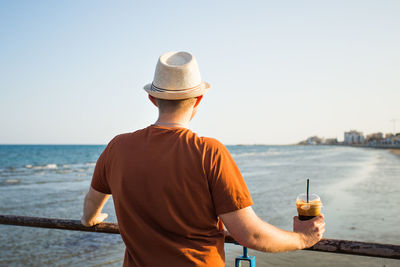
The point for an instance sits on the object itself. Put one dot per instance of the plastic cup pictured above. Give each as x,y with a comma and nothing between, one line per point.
310,209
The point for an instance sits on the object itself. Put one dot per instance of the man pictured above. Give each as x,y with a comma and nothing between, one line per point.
171,188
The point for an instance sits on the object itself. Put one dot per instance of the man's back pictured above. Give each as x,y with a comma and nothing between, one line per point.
168,186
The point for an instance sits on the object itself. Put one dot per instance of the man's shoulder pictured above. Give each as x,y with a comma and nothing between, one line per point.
124,137
210,141
213,144
119,138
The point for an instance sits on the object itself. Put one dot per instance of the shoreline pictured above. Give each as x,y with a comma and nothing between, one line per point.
395,151
392,149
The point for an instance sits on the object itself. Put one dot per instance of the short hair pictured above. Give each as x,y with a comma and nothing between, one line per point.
169,106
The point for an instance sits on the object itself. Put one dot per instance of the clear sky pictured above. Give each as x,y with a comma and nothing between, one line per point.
72,72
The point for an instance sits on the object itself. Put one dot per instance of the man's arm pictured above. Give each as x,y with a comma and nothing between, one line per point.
94,202
252,232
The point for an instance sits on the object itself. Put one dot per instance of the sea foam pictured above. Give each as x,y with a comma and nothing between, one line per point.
41,167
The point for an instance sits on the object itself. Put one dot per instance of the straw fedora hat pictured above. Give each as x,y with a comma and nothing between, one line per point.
177,76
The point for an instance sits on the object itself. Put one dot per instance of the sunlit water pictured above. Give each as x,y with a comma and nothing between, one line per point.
360,190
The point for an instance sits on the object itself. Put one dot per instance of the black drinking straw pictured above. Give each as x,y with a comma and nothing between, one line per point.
308,185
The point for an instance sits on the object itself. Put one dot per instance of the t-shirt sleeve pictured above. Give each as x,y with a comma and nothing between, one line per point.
228,188
99,179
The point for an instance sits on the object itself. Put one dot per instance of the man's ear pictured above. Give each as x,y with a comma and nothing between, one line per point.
198,100
153,100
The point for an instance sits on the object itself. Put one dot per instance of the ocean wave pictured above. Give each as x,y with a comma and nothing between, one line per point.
41,167
64,171
31,169
12,181
257,154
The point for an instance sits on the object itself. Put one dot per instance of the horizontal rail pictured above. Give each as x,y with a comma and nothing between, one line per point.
325,245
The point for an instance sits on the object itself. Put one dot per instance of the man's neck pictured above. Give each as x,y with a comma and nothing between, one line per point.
171,124
174,120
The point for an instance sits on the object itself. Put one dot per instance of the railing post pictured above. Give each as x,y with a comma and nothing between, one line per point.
245,251
245,257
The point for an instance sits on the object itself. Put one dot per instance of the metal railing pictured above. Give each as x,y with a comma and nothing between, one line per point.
325,245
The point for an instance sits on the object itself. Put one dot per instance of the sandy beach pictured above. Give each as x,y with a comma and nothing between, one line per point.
395,151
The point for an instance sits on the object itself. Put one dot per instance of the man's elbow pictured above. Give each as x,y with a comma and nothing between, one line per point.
253,241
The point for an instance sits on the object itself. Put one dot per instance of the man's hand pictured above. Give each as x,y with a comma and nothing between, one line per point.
95,220
311,231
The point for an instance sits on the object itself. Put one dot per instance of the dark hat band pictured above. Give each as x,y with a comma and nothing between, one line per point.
162,90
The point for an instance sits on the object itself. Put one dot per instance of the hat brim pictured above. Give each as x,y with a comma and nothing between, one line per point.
172,95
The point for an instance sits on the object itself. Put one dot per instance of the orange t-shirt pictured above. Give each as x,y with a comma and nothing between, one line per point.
168,187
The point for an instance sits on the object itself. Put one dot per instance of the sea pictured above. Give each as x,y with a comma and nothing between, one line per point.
359,188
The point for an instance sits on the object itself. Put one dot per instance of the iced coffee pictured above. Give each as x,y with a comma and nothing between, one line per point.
308,208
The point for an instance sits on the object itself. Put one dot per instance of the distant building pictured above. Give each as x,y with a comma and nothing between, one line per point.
389,139
353,137
392,139
375,137
331,141
314,140
389,135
